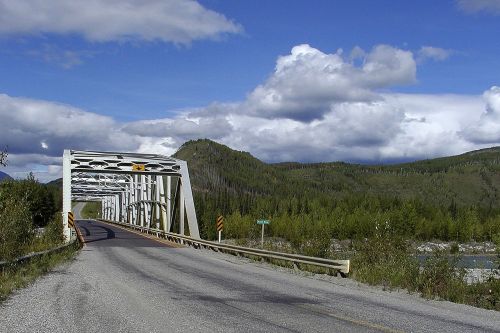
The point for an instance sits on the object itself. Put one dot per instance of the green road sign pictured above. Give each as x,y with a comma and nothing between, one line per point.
263,221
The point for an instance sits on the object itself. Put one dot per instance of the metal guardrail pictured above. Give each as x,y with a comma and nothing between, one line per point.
342,266
30,256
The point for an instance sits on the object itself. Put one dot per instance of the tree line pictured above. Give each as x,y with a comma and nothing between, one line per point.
350,216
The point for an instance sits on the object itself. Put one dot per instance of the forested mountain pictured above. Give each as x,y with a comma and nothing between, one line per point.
469,179
450,197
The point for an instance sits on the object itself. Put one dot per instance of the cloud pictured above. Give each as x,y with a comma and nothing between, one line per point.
398,127
326,109
45,168
487,128
30,126
433,53
307,82
401,127
475,6
347,127
181,129
66,59
37,131
21,160
177,21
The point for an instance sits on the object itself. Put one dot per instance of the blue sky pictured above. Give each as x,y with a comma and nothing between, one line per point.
155,74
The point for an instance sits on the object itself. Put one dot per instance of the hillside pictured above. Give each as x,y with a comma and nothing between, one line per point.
3,176
55,183
214,166
469,179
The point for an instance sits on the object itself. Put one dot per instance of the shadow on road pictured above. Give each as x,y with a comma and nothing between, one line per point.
95,232
110,234
87,232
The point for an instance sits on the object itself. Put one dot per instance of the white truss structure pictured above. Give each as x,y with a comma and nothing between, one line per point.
141,189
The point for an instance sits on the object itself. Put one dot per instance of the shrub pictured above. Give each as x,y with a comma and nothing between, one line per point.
454,248
24,205
385,261
16,230
54,231
317,246
39,199
485,295
441,278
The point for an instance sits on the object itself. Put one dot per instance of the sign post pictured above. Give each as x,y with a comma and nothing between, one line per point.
263,223
220,226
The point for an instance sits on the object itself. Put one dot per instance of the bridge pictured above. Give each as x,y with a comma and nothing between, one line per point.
133,188
125,280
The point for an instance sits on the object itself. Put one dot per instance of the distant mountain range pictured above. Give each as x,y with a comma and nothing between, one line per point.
56,182
3,176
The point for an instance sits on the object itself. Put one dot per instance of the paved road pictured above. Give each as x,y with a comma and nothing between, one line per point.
77,210
123,282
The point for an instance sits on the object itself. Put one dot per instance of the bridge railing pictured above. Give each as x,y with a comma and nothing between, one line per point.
341,266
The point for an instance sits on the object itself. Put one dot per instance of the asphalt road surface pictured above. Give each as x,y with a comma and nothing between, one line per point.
124,282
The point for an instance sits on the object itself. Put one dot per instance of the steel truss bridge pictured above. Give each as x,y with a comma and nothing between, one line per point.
147,190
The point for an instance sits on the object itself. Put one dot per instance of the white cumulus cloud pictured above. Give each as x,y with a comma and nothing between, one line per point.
177,21
307,82
487,128
183,128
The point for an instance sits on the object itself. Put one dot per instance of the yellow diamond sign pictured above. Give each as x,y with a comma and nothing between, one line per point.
138,167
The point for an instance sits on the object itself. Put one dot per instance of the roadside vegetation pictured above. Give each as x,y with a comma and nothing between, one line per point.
387,260
30,221
26,206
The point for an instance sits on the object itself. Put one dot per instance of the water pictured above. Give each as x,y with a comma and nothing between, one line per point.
469,261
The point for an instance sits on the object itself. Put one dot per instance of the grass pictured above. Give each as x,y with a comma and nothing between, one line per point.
21,275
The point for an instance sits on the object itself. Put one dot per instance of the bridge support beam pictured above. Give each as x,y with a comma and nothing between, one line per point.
66,204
